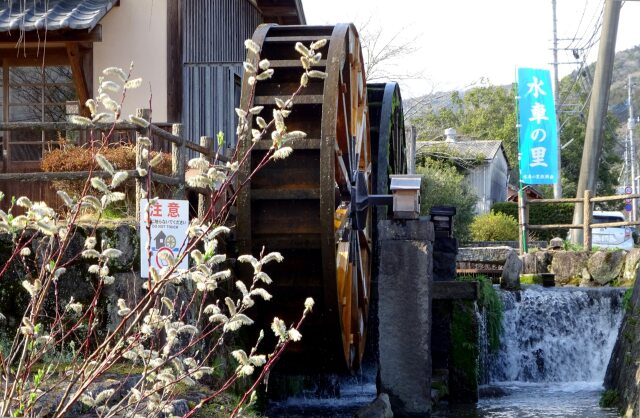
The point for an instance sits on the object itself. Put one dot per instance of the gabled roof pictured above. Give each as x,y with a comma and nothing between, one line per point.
30,15
485,149
532,193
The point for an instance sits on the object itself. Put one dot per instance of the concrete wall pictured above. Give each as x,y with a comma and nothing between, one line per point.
136,31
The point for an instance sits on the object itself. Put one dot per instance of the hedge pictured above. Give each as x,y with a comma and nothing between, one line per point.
542,214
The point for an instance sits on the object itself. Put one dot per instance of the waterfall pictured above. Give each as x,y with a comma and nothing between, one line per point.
555,335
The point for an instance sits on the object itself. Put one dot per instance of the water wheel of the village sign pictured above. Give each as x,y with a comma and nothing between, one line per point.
302,206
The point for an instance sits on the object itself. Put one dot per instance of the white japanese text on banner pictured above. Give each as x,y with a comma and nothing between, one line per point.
538,127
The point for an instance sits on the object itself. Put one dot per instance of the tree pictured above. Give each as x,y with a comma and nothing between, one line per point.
481,112
490,113
385,53
442,184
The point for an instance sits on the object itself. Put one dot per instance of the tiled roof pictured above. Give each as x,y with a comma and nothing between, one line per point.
52,14
486,149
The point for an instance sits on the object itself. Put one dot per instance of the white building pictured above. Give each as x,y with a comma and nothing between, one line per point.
489,172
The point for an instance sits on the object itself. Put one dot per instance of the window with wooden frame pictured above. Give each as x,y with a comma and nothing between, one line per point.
34,90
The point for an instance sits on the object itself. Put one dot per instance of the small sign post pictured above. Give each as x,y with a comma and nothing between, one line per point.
169,222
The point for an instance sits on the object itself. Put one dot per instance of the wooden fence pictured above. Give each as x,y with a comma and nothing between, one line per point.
587,202
161,138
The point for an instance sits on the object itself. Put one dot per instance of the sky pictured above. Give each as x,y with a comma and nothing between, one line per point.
461,42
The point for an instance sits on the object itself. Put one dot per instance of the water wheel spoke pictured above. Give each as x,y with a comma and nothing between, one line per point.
363,268
343,137
344,273
343,179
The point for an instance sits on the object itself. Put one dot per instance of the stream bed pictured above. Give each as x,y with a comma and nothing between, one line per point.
535,400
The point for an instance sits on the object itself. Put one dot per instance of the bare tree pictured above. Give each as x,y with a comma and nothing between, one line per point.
386,53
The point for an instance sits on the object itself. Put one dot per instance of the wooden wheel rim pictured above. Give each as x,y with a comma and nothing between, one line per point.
346,148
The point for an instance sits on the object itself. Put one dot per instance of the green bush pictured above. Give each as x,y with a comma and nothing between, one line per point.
494,226
443,185
542,214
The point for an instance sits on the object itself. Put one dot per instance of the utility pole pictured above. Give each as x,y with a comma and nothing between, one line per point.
557,187
597,110
631,124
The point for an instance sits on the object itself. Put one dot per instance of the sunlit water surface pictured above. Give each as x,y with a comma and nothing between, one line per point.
536,400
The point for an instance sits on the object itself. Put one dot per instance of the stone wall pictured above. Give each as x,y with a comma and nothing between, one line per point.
76,282
580,268
622,380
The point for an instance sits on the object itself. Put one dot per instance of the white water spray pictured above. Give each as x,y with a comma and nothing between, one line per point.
556,335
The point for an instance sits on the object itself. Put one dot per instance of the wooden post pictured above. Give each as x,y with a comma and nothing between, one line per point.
586,220
207,142
523,220
178,160
142,161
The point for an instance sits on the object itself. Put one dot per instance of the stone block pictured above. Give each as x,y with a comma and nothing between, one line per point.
568,266
631,262
510,279
537,262
556,243
379,408
445,245
496,255
605,266
406,229
126,239
404,288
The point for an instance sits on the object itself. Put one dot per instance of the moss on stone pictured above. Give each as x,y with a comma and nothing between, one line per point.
464,348
574,281
125,237
489,301
609,399
530,279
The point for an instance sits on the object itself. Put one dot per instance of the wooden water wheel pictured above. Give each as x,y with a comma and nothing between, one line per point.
302,206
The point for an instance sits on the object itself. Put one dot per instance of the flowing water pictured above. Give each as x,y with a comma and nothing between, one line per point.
555,347
554,351
355,392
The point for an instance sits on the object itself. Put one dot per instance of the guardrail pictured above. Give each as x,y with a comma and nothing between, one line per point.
587,213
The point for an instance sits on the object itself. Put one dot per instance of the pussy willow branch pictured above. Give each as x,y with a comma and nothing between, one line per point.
267,367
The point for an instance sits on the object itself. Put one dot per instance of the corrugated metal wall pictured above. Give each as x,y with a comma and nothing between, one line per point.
499,178
213,51
489,182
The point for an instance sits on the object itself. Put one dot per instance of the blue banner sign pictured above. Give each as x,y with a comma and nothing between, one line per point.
538,132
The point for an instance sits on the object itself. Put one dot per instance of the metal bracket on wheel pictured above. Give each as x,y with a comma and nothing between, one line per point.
361,200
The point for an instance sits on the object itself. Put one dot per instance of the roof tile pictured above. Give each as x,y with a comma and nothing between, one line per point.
52,14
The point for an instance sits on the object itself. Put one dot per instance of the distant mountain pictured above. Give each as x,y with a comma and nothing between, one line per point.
626,63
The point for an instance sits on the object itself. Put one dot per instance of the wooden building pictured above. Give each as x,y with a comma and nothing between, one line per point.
488,174
188,52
